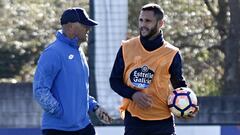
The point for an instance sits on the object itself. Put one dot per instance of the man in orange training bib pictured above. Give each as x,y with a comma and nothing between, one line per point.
145,68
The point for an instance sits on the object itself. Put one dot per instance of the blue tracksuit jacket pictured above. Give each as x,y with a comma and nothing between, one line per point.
61,86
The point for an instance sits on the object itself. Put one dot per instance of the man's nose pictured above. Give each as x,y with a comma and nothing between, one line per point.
142,23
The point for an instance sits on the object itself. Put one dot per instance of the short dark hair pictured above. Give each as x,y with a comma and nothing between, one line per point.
158,11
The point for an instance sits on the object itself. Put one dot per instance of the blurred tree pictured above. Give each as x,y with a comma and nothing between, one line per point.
26,27
226,16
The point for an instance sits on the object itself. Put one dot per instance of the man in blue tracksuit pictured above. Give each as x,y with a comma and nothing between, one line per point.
61,84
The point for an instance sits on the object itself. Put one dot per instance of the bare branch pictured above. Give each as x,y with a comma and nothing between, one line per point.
210,8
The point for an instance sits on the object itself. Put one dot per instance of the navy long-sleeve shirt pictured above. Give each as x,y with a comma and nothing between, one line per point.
116,78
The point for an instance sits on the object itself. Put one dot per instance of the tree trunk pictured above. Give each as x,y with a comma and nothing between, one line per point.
232,51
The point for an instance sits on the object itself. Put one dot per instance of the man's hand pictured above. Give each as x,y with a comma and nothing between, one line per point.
103,116
142,100
192,114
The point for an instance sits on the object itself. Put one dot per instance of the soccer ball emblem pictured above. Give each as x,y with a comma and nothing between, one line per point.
182,102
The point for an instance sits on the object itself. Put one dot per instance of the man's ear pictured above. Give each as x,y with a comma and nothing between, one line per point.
161,23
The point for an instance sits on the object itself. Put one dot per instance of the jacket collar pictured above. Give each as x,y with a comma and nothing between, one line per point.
151,45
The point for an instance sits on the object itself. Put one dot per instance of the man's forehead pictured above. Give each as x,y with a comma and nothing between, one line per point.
147,14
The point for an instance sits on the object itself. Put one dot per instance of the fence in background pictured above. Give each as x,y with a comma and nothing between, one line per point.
17,107
19,110
112,17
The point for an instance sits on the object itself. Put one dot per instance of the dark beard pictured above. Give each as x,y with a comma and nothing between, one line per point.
152,32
